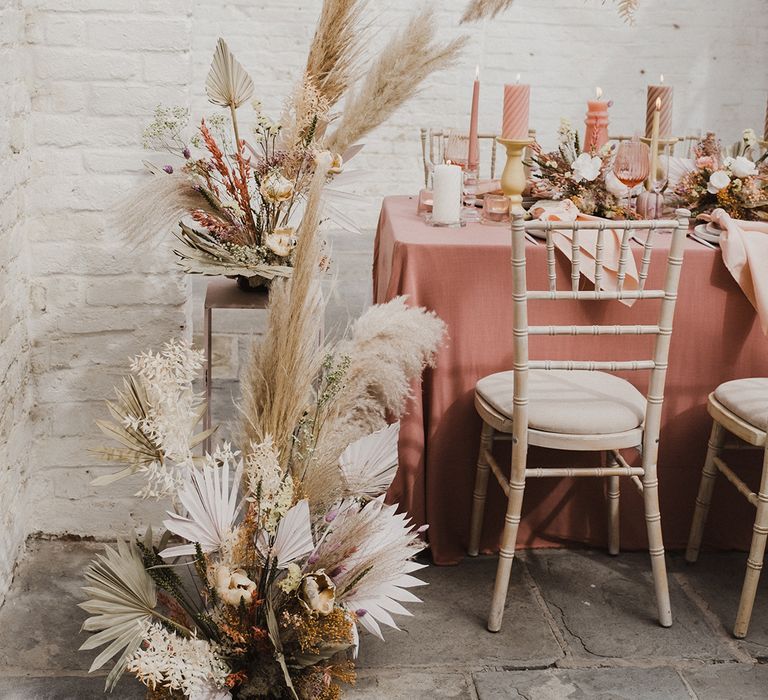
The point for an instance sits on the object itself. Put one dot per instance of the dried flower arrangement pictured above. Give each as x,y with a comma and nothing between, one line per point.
736,184
584,178
275,554
241,197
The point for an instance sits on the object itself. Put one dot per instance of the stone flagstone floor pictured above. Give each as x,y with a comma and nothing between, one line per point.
579,624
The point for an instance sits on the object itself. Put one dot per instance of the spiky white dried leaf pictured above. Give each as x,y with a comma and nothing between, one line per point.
370,463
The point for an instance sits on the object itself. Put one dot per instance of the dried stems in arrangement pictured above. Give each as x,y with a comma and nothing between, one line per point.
482,9
241,188
336,47
394,77
288,544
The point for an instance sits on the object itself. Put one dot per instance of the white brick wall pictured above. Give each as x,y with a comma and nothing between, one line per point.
98,69
15,405
70,144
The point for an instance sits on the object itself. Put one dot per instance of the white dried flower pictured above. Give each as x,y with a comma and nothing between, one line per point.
281,241
586,167
317,593
168,660
741,166
234,586
292,578
276,188
718,180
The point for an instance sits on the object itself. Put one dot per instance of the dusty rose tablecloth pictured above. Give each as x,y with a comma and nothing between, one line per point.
464,275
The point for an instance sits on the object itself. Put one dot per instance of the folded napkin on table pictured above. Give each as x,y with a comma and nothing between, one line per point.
745,253
567,211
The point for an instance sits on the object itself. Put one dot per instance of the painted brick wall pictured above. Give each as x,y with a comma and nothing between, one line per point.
15,428
71,131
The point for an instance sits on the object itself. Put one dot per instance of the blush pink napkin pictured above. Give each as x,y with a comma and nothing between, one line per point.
566,211
745,253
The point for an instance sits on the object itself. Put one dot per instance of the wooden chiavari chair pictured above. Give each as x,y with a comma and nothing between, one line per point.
738,407
578,405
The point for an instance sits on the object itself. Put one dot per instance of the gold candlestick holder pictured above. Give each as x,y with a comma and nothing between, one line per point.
661,147
513,179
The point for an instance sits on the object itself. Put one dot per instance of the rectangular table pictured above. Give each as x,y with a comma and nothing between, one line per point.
464,275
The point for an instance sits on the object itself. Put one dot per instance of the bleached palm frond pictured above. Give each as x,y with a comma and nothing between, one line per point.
212,506
228,83
294,535
376,572
203,254
370,463
122,599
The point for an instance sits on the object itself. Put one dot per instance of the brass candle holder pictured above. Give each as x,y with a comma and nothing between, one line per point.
661,147
513,179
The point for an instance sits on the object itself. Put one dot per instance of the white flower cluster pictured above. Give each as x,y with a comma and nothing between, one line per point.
169,660
167,378
733,167
269,486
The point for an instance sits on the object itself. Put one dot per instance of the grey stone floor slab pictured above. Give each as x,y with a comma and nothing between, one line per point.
410,686
68,688
39,622
606,608
448,628
582,684
724,681
717,577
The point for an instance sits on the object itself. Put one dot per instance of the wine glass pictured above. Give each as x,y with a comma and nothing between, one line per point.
631,167
457,148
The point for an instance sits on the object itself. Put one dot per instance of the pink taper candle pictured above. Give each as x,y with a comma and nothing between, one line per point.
473,157
597,124
664,93
517,100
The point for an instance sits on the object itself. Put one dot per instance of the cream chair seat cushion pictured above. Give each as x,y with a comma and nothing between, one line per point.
747,398
573,402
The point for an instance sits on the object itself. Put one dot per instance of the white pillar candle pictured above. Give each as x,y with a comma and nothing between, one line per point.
446,194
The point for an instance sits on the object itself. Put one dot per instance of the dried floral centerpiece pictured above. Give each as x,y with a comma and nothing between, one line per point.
585,178
273,555
736,184
239,193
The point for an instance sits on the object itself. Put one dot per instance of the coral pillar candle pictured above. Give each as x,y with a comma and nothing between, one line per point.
664,93
517,101
473,156
765,127
446,194
597,124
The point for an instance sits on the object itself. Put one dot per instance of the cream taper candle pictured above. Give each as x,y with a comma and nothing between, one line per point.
446,194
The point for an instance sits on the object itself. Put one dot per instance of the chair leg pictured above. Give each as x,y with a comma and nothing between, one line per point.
613,515
481,489
508,537
704,497
756,555
656,541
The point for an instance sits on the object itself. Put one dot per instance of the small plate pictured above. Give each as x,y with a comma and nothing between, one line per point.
704,232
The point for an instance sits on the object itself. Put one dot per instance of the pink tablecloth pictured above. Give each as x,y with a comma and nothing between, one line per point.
464,275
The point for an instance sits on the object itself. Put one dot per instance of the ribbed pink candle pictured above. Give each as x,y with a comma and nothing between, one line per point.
517,101
597,124
664,93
